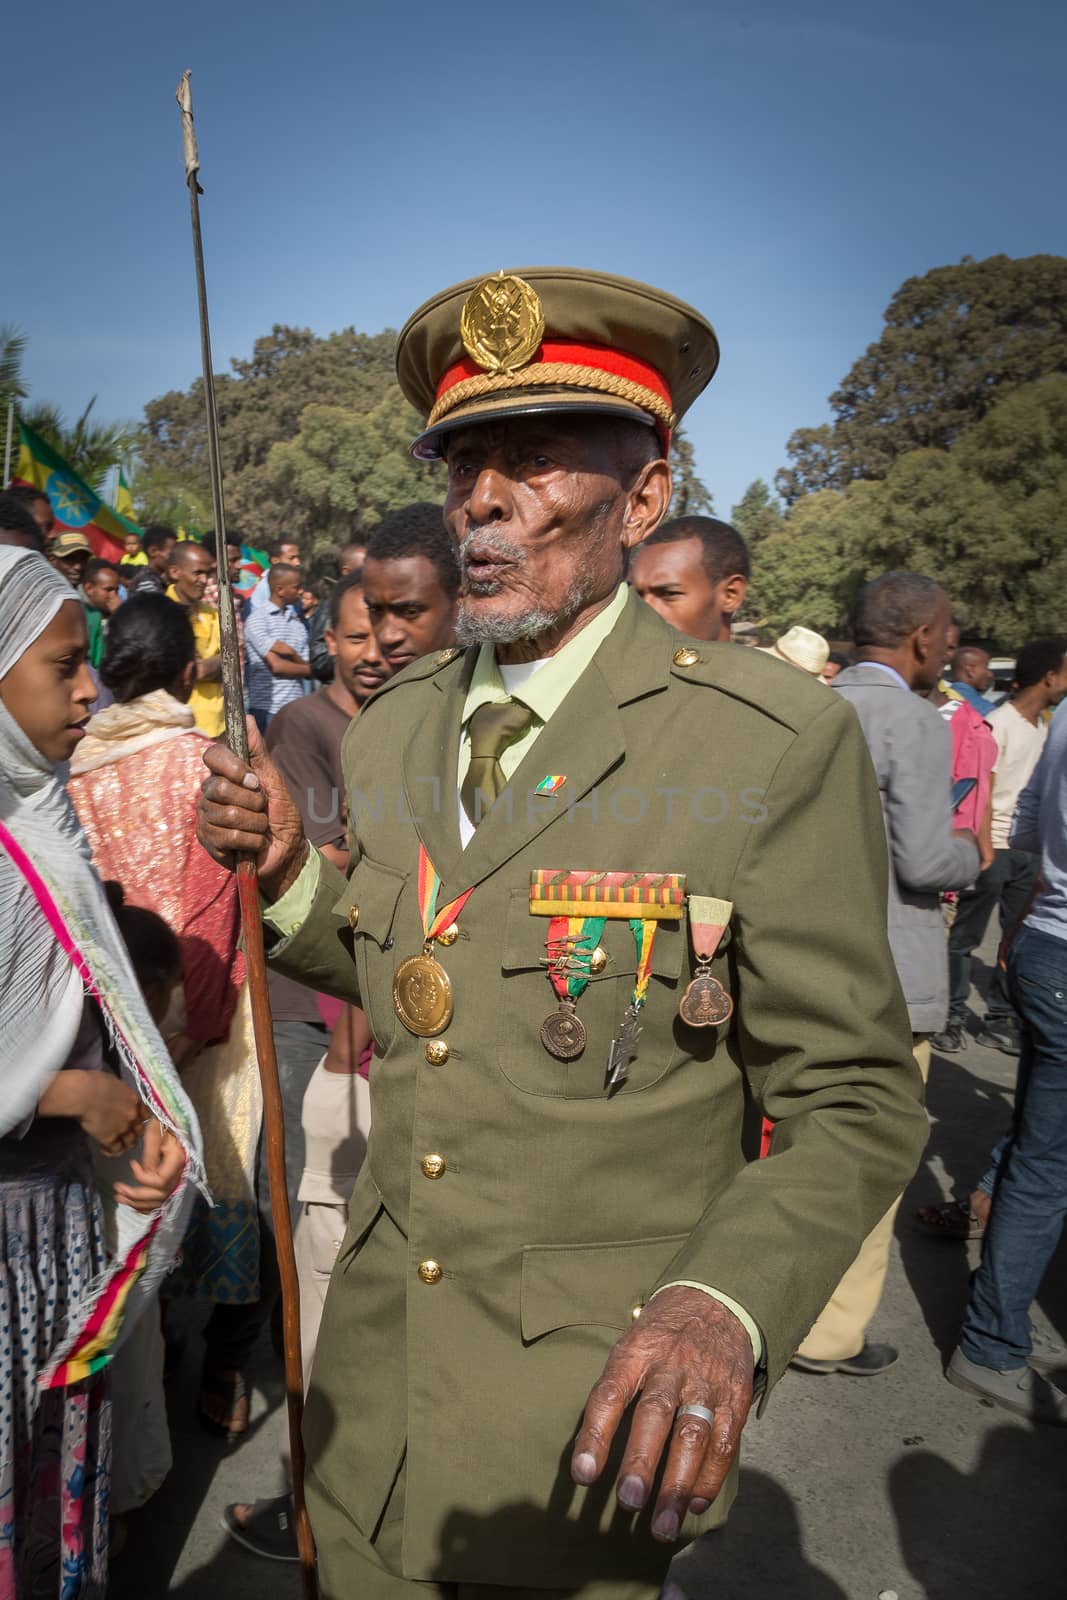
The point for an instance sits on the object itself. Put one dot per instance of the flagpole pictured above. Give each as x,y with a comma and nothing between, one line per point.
7,446
248,891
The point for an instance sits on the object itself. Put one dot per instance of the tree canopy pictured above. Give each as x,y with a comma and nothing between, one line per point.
956,340
986,519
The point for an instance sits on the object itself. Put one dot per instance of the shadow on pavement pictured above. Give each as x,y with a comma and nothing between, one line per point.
758,1553
985,1535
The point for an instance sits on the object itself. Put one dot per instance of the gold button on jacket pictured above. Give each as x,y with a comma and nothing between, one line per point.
433,1166
437,1052
565,1207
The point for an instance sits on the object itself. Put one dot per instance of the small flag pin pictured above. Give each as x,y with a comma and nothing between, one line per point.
551,784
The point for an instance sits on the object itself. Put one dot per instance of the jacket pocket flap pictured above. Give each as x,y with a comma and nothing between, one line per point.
369,903
524,948
565,1286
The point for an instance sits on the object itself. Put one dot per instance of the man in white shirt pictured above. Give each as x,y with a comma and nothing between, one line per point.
1020,727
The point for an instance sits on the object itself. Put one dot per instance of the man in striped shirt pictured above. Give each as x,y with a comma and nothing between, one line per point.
276,648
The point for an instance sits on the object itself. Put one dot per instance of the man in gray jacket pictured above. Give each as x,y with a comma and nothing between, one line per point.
900,627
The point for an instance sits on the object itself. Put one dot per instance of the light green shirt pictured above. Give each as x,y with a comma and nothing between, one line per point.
544,691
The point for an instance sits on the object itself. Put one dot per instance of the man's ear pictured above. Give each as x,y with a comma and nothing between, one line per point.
330,637
731,593
647,503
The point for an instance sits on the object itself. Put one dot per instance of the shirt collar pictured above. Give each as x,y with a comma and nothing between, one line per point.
547,688
883,666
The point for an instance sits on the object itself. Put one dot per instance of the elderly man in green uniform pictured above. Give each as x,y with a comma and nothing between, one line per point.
611,894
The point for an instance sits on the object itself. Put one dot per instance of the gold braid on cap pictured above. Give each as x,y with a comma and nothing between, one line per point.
553,374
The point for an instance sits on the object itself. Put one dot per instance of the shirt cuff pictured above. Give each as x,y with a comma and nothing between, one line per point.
731,1305
288,914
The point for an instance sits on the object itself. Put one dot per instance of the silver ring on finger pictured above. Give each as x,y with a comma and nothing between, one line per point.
697,1411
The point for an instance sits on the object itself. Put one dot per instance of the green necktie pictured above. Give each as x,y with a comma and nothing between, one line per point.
491,729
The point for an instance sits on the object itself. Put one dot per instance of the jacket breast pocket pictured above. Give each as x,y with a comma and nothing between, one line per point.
592,1285
527,998
369,906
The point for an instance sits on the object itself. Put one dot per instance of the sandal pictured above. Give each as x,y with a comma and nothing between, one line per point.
954,1221
265,1527
230,1388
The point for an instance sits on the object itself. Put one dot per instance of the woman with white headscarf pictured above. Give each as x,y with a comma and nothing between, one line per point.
80,1060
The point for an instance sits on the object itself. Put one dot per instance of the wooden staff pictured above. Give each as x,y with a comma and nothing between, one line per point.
248,891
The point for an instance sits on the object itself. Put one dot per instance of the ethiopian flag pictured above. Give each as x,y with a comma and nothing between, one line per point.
124,499
74,505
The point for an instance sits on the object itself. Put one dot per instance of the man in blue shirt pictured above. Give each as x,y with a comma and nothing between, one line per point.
995,1357
276,648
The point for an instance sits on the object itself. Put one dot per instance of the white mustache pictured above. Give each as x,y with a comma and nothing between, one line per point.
489,539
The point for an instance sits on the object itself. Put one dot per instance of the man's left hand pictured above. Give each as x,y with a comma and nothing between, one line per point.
686,1348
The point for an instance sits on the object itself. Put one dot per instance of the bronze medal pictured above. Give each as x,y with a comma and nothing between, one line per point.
705,1004
563,1033
422,995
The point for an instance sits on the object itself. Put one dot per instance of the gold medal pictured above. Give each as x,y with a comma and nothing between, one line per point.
502,323
563,1033
422,995
705,1004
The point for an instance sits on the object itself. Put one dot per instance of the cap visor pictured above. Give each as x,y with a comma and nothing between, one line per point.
429,446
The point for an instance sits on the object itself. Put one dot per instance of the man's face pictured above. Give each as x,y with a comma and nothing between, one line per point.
289,553
355,649
131,545
936,641
830,671
1058,684
160,556
975,670
233,562
41,512
103,592
539,513
73,566
286,590
189,573
674,581
410,611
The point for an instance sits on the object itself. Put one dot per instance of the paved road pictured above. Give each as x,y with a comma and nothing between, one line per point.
851,1489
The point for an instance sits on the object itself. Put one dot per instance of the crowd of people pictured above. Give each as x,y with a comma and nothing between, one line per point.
131,1087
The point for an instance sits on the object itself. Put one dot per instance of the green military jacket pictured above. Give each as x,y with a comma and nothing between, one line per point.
552,1208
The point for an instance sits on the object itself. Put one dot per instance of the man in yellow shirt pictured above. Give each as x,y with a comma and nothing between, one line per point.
190,565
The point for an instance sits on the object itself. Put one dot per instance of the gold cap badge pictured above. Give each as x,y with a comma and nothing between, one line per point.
502,323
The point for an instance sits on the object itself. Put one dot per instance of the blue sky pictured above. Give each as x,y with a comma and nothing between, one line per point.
782,167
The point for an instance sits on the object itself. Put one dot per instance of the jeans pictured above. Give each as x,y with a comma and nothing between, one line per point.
1030,1199
1006,884
231,1331
262,719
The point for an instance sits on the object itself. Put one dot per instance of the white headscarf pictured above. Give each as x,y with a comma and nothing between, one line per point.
41,994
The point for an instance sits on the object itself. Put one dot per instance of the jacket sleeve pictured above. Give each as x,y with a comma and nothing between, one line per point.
823,1039
927,856
317,950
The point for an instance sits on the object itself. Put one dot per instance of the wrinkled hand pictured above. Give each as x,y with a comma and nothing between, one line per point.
248,808
157,1173
685,1349
112,1114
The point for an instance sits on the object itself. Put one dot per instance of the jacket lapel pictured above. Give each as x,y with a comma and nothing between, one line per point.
584,740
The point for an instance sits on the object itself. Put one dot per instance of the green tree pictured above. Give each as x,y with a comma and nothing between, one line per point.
805,572
691,495
12,350
757,514
340,475
956,340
